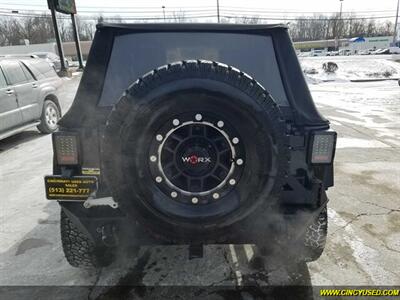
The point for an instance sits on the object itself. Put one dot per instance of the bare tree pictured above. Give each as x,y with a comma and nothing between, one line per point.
323,27
248,20
39,29
178,16
11,32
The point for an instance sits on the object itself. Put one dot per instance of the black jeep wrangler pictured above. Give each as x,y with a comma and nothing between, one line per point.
191,134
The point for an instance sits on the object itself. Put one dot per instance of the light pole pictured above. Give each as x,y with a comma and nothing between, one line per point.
77,42
218,10
163,9
63,70
395,24
339,27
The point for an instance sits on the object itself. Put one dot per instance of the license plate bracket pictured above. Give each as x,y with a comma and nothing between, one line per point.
70,188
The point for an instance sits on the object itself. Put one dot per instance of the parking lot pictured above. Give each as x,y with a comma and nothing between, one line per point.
363,246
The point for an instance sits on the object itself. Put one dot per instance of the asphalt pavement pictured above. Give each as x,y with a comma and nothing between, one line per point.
363,244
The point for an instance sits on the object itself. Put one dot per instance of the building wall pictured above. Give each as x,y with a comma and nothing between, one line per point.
321,44
379,42
25,49
68,47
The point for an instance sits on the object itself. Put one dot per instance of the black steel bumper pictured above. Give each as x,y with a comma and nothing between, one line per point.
287,223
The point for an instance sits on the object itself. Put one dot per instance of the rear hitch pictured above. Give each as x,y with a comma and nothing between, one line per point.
195,251
108,234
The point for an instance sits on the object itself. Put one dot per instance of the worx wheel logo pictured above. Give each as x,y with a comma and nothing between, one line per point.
194,159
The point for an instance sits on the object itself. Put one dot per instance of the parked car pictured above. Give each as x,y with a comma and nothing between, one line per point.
394,50
364,52
318,53
345,52
182,134
28,96
332,53
382,51
52,58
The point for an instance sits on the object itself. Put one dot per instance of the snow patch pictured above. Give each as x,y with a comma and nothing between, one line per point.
350,68
359,143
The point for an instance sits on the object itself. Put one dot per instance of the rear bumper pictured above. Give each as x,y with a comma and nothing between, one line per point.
287,224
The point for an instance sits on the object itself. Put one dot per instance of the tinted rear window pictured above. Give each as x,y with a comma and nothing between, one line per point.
136,54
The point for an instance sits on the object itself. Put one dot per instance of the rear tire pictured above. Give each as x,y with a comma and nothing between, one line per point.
79,250
205,94
49,118
315,237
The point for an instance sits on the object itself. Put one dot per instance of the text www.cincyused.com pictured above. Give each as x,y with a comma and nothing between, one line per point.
360,292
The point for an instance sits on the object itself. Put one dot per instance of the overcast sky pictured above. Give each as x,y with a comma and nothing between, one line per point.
313,5
387,7
323,5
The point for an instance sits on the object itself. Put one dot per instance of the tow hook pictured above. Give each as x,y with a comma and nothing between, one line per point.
108,234
195,251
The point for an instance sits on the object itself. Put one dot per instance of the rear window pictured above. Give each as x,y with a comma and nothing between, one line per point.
40,68
136,54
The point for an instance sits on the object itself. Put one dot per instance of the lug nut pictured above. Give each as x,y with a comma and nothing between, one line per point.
159,137
174,194
220,124
235,140
195,200
158,179
175,122
232,181
239,162
198,117
153,158
215,195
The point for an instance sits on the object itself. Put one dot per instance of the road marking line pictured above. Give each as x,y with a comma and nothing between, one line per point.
235,262
248,249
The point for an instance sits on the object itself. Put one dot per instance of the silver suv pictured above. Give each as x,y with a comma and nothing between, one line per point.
28,96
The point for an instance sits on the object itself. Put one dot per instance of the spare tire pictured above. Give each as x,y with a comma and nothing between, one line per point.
192,148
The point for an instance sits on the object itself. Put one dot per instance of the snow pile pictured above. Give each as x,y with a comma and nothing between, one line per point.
350,68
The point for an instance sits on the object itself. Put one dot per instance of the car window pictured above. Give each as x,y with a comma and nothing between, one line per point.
14,72
171,47
27,73
40,68
3,82
34,69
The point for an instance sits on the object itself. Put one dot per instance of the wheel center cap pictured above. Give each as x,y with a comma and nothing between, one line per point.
196,156
194,159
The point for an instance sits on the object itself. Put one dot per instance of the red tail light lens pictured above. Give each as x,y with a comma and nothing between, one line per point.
322,146
66,148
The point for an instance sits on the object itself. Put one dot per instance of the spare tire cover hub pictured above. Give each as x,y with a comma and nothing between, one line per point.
196,158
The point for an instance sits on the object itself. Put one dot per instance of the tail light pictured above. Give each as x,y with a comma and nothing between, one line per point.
322,147
65,146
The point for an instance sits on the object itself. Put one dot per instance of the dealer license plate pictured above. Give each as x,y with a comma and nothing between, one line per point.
73,188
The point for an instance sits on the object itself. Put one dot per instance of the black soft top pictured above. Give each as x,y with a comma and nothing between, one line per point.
85,110
190,26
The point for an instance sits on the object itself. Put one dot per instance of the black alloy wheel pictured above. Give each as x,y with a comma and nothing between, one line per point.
196,158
